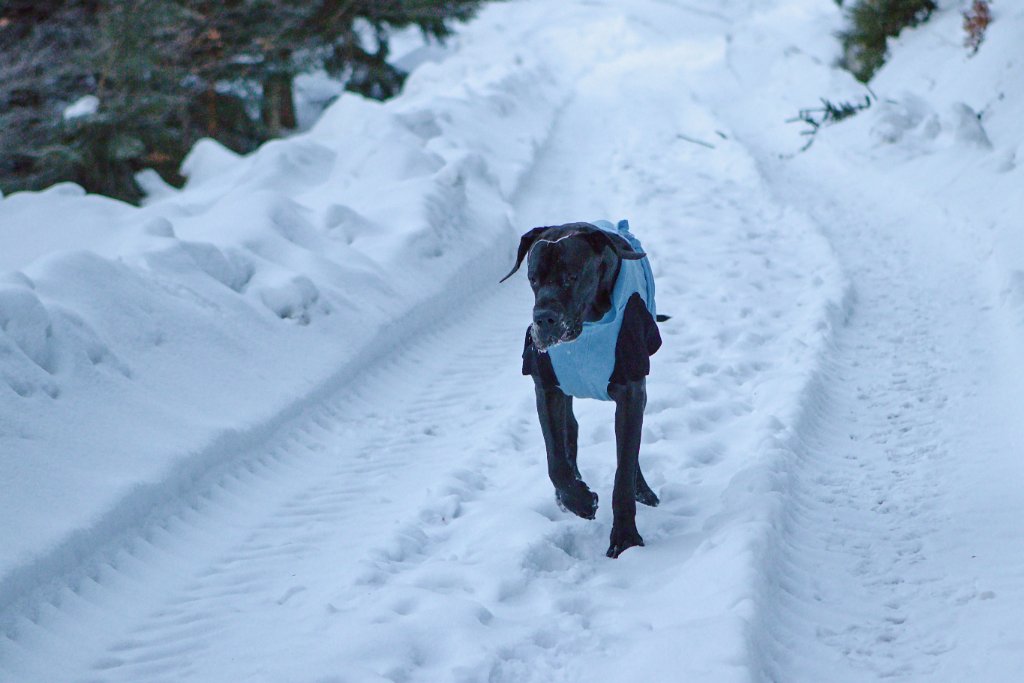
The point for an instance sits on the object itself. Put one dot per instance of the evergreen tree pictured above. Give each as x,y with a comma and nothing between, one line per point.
59,52
141,120
872,22
165,72
44,55
350,39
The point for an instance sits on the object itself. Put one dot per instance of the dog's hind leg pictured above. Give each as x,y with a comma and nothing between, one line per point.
554,409
644,494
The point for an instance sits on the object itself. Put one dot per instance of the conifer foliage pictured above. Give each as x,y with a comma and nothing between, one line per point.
872,23
163,73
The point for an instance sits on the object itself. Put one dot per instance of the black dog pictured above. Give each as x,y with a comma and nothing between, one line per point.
574,270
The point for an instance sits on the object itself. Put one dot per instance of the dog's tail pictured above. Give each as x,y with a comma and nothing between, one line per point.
662,318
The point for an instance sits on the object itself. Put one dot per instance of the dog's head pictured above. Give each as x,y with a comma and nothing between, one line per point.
572,270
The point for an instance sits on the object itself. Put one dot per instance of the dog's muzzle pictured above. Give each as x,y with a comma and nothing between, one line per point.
550,331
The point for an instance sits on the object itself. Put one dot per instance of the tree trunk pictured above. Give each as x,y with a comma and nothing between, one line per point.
278,107
210,105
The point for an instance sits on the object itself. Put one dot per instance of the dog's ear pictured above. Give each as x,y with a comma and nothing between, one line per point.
525,243
599,239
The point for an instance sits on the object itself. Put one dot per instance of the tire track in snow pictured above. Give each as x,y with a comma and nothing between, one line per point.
863,503
314,525
234,550
871,567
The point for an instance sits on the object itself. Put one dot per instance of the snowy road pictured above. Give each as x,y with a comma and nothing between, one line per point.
241,578
897,557
406,530
827,429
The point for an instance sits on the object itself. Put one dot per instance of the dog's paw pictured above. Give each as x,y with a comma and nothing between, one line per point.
645,495
623,538
577,499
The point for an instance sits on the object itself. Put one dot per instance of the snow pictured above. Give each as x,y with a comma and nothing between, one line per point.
84,106
313,92
271,426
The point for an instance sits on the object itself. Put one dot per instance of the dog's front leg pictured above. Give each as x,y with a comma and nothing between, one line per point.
554,409
630,401
572,436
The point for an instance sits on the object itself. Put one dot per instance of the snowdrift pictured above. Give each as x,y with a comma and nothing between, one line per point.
948,135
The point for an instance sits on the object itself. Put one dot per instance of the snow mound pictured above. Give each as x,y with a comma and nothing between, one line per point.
912,122
26,339
952,119
84,106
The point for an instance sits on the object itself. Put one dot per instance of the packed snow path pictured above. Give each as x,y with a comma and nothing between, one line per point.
898,551
838,481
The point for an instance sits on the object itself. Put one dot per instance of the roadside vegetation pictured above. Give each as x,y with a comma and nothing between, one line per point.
96,90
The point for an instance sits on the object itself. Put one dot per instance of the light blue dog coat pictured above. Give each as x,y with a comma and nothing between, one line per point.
584,366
